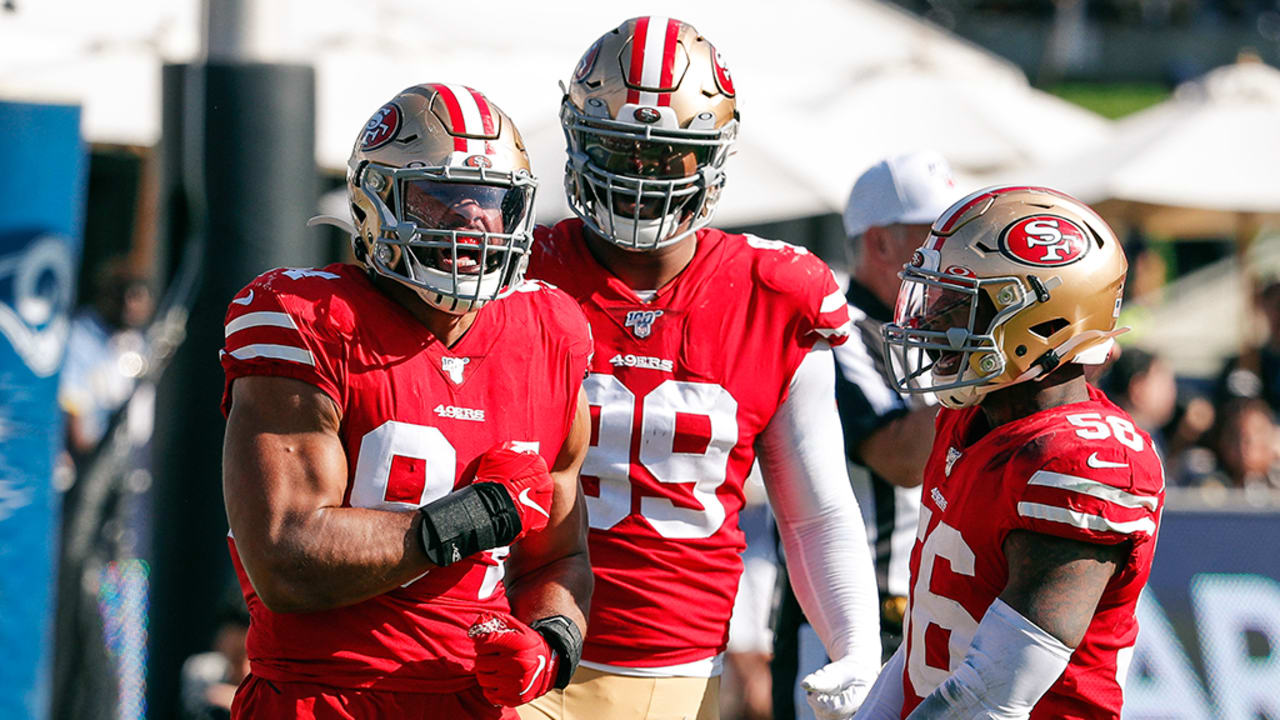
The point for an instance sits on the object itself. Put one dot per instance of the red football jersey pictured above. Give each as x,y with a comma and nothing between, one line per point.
416,415
679,389
1082,471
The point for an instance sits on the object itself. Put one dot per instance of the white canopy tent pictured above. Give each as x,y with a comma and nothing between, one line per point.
1205,161
826,87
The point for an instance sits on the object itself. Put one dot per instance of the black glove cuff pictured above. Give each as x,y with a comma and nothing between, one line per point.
564,637
480,516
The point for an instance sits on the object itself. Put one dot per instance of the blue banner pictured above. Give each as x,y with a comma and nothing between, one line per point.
1209,644
43,172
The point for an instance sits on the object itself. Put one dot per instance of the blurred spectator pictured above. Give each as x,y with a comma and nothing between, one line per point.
209,679
1143,385
1255,373
1244,450
1245,442
106,353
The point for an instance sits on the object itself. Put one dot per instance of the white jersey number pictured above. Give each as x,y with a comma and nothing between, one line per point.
687,430
424,464
1093,426
940,628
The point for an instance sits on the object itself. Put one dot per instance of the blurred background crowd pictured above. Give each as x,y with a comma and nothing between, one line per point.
1162,114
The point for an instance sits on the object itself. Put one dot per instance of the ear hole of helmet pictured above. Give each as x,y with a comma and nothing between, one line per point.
1047,328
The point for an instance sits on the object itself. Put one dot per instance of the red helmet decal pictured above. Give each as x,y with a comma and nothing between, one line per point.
1044,241
587,62
646,115
723,79
382,128
478,161
961,270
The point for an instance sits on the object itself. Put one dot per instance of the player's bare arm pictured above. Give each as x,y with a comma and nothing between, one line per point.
898,451
549,572
1025,640
1056,582
284,475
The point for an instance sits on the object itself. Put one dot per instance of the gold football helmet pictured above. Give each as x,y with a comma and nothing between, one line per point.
441,196
649,116
1012,282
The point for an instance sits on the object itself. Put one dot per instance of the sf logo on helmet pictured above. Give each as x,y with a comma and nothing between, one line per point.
641,321
1044,240
381,128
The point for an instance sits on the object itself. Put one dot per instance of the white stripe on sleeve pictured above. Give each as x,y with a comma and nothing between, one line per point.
832,302
827,333
274,352
1085,486
1084,521
260,319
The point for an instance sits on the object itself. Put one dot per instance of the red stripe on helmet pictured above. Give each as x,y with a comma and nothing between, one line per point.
669,59
486,111
456,124
638,41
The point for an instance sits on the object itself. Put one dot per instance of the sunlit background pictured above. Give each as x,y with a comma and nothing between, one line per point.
155,155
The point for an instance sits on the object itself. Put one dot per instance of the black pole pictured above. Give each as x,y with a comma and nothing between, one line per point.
240,182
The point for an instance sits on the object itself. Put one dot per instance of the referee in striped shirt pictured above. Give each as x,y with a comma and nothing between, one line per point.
887,435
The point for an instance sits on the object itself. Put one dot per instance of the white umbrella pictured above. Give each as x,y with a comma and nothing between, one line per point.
1214,147
983,120
825,86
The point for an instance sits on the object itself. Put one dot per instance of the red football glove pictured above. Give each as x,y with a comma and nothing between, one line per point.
524,474
514,664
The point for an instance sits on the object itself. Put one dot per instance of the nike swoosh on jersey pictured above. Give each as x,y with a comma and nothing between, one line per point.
1095,462
528,501
542,663
244,300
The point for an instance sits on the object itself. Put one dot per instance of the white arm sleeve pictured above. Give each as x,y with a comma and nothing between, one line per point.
801,454
884,702
1011,663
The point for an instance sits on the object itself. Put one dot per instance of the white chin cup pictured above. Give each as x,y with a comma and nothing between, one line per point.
439,291
631,234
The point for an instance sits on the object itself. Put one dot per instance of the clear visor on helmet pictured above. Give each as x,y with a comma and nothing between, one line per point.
943,327
644,158
462,225
463,233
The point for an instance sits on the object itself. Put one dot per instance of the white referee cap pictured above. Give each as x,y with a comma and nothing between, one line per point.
911,189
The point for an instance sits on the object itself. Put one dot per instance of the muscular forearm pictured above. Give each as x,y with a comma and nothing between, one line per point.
898,451
560,587
331,557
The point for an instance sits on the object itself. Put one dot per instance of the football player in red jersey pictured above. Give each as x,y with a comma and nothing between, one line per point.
711,350
404,439
1042,499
